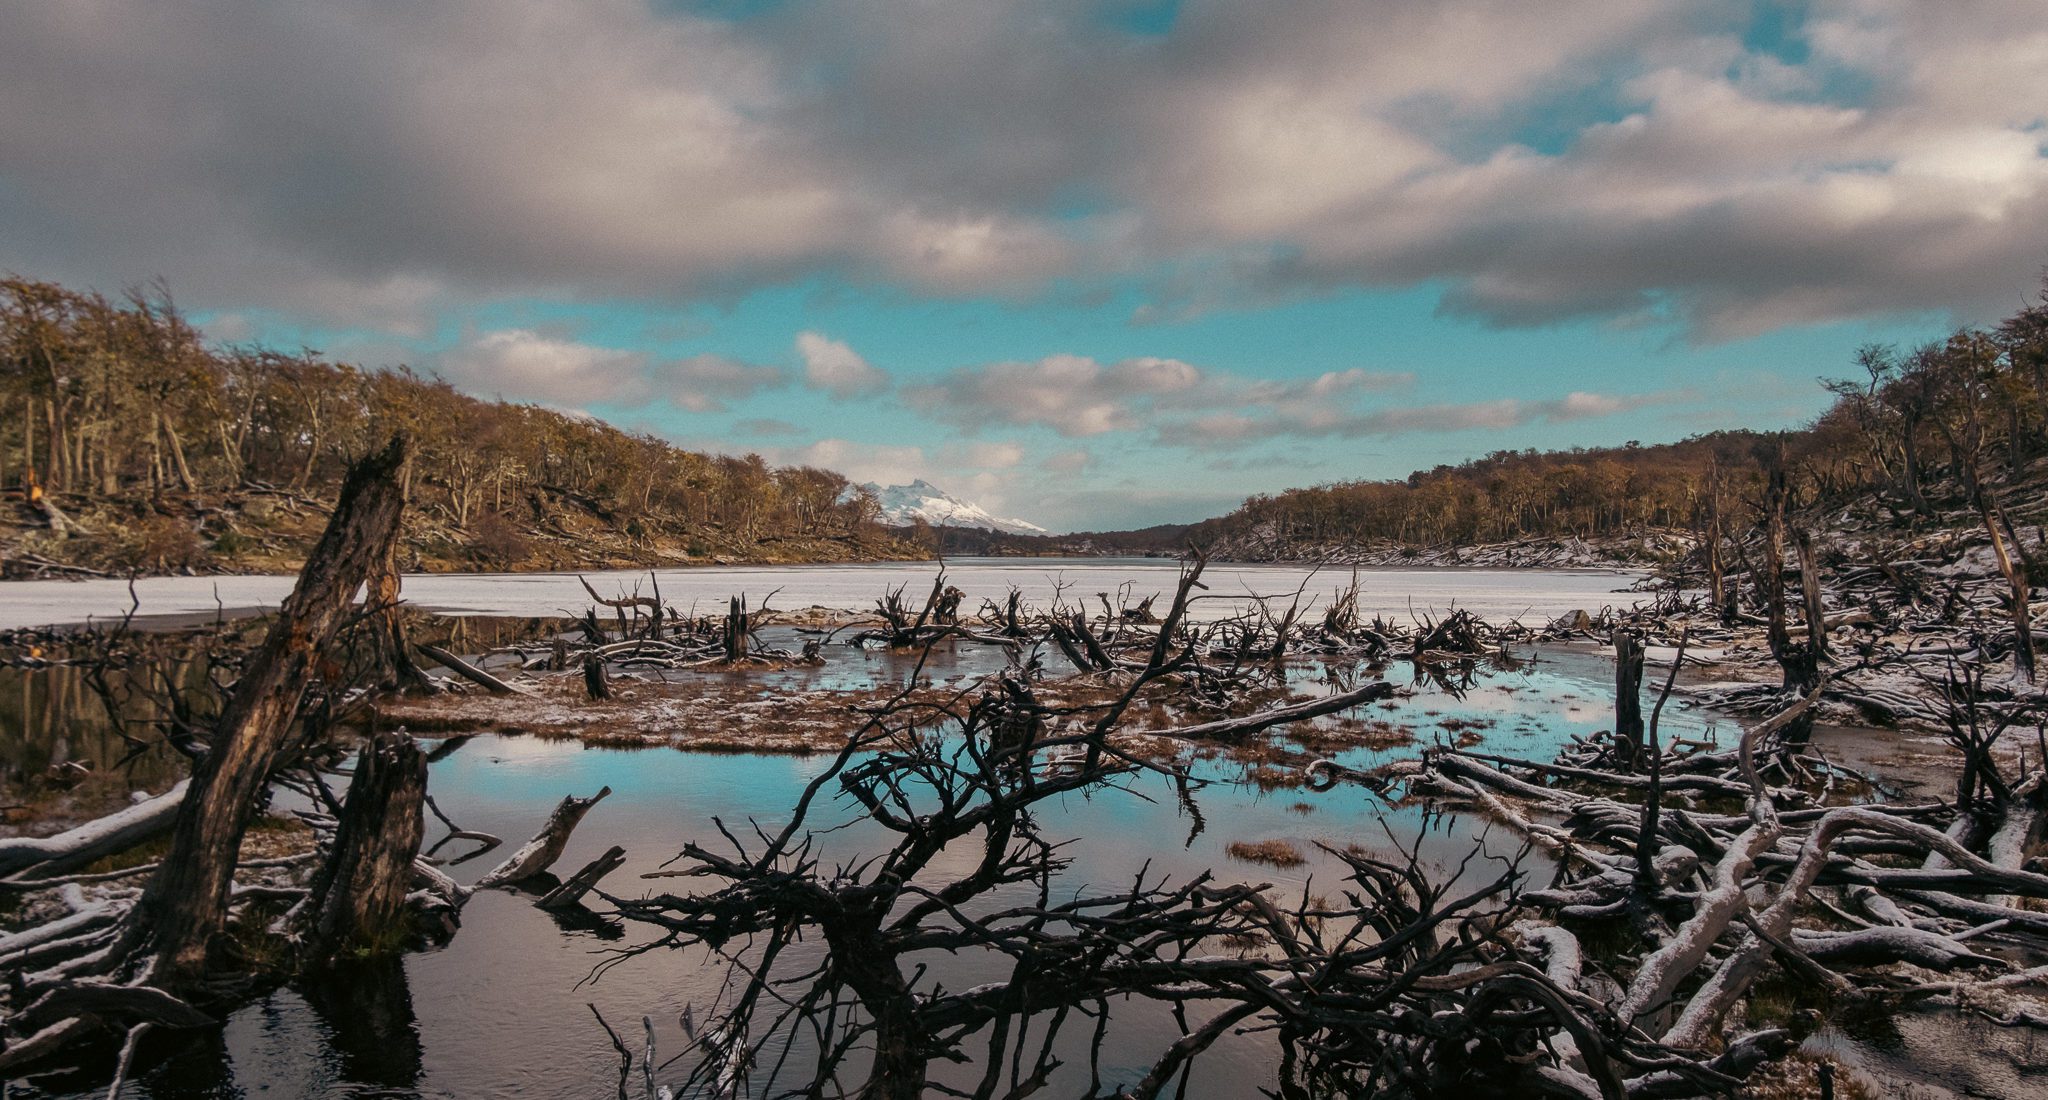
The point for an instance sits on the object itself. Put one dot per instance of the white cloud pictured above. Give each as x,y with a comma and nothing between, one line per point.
834,367
1079,397
526,365
883,463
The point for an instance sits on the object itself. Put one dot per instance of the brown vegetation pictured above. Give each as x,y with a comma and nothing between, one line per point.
132,444
1272,853
1937,429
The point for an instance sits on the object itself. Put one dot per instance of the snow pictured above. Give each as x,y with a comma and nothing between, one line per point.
1532,596
920,499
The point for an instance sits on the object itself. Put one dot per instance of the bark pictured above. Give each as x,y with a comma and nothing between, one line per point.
358,899
184,906
594,680
1628,698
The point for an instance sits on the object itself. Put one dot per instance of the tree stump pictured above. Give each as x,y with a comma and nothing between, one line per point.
358,899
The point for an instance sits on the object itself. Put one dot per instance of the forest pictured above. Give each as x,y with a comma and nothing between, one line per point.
134,444
1941,425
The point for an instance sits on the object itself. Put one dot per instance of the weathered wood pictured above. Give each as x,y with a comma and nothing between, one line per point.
1809,589
116,832
595,682
470,672
1628,699
570,893
737,631
184,907
545,848
358,897
400,672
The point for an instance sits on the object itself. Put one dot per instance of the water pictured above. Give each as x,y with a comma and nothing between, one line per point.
1494,594
501,1011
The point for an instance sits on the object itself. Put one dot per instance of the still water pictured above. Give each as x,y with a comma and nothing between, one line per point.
501,1011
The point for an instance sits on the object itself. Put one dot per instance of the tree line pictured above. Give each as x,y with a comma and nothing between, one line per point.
115,405
1947,425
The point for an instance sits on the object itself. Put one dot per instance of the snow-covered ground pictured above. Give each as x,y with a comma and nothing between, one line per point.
1495,594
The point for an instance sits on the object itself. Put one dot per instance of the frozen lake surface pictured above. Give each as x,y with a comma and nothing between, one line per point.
1495,594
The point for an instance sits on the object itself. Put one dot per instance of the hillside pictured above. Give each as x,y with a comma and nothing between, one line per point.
1938,436
131,444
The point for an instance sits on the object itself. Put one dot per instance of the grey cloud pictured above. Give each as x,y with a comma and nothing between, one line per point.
1230,430
368,164
1078,397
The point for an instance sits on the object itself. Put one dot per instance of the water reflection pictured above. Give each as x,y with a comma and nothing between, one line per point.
500,1011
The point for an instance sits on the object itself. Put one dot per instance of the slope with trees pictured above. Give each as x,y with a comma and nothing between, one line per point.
129,443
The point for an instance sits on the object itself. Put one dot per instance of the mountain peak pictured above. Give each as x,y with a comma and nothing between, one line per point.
905,504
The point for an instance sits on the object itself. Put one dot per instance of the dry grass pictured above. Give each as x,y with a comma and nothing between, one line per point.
1272,853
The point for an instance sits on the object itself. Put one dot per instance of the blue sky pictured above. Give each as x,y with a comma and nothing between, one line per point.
1094,263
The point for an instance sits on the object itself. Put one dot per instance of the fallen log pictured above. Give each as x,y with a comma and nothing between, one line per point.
570,893
1292,712
116,832
469,671
540,853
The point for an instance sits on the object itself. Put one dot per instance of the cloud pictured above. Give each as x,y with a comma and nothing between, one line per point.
768,426
528,365
1079,397
1068,462
986,456
832,366
1630,160
882,463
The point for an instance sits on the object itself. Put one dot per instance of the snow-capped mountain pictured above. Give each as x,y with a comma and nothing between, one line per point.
922,500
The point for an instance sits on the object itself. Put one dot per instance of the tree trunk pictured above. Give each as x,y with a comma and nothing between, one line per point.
1628,698
594,681
1809,585
178,456
358,899
185,904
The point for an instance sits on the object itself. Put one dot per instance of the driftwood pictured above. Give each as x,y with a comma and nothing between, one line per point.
572,890
540,853
117,832
470,672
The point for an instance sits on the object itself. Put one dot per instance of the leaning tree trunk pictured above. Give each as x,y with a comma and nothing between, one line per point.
1809,589
358,899
400,672
2016,582
185,905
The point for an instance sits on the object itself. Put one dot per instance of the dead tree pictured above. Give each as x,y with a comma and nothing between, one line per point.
398,671
737,630
185,905
357,900
1798,661
595,683
1628,700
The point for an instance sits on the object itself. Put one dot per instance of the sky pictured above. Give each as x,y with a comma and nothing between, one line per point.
1093,263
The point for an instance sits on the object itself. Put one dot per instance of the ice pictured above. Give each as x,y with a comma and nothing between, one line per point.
1494,594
